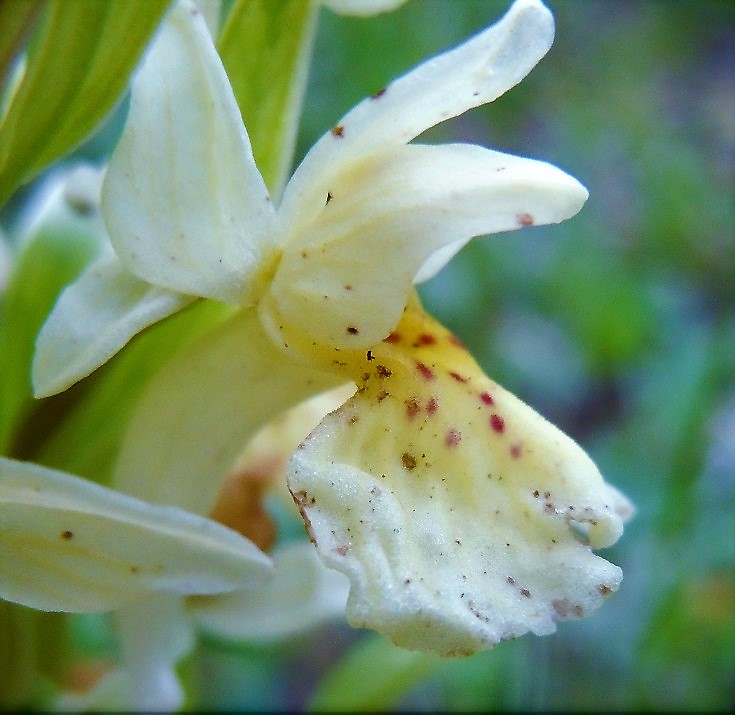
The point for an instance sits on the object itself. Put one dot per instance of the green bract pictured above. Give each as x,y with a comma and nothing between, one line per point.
77,65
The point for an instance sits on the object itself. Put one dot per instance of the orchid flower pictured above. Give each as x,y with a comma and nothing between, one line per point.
461,517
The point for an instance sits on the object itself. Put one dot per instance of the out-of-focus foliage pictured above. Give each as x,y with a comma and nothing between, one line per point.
618,325
76,66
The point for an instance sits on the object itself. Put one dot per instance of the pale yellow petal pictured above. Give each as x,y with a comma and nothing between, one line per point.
470,75
68,544
362,8
184,204
94,318
203,407
345,278
303,594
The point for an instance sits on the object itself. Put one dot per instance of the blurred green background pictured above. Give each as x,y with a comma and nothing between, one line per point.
618,326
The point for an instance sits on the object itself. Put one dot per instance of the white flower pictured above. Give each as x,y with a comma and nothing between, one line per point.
446,500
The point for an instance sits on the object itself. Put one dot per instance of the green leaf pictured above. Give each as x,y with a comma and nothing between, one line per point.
265,47
17,17
78,64
374,675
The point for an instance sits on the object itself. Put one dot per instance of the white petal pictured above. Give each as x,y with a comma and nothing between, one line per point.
184,203
362,8
93,319
155,634
199,412
475,73
345,279
302,594
72,545
450,504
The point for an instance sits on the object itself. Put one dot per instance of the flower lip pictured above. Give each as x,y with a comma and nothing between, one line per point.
450,504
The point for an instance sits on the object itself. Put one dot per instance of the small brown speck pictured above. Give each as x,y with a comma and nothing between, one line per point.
525,593
412,408
338,131
67,535
408,461
382,371
379,93
352,330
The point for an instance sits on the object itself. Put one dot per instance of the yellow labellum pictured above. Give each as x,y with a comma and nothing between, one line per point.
449,502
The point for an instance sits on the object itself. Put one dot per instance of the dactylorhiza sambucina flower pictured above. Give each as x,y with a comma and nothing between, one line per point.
461,517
